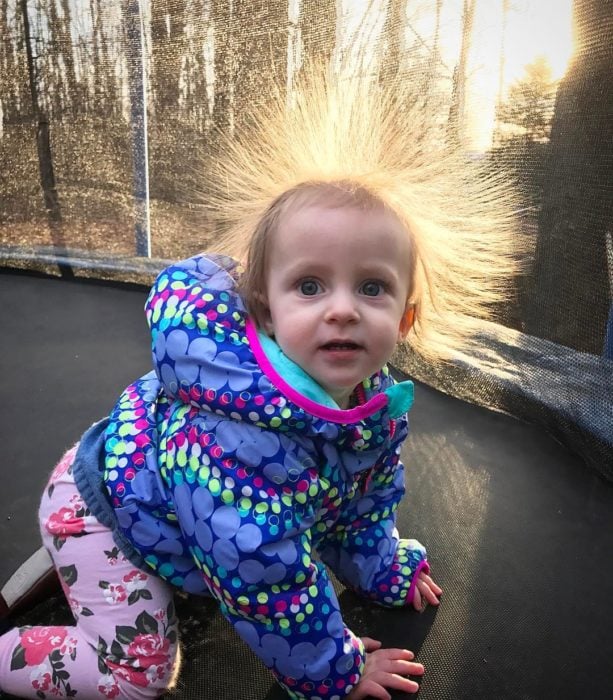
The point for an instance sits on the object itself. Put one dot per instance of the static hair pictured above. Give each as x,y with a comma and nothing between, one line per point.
374,144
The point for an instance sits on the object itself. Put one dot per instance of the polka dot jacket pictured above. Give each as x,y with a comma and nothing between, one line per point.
225,478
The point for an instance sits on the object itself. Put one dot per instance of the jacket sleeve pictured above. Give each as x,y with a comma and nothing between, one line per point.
364,550
251,537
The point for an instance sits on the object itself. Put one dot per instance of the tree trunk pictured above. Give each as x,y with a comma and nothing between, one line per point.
393,36
570,293
456,126
317,31
196,99
263,32
435,55
223,22
47,177
168,39
506,6
9,87
64,36
45,161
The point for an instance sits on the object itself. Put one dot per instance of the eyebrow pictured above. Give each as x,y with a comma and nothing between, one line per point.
365,271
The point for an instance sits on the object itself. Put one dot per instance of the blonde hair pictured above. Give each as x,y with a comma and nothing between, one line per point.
373,141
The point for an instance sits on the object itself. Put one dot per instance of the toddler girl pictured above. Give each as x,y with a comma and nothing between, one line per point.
258,439
270,429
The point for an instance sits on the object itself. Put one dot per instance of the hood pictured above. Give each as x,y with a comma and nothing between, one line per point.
207,353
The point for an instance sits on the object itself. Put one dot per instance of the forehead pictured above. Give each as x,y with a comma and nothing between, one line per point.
321,227
346,243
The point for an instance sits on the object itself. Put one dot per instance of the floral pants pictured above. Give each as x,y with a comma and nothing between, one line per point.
124,641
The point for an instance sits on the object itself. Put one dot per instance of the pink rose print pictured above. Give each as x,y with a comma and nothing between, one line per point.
39,642
108,687
68,646
132,587
40,678
68,577
113,592
140,654
49,645
75,607
135,583
149,649
77,501
131,675
112,555
155,673
64,464
135,580
65,522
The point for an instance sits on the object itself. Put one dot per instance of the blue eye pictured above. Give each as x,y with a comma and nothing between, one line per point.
309,288
372,288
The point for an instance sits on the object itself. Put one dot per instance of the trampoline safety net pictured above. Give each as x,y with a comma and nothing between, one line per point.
110,110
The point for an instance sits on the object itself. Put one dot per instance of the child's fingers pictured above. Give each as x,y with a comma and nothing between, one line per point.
387,668
371,644
385,655
369,689
392,680
433,586
401,667
429,595
426,591
417,603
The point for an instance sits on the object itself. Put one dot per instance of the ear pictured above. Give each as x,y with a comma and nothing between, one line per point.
265,318
406,322
267,324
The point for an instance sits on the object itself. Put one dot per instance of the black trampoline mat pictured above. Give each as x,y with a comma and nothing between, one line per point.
519,532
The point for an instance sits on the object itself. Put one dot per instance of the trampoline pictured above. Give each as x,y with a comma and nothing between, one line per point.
509,468
520,532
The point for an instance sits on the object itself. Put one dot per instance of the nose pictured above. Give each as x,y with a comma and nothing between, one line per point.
342,308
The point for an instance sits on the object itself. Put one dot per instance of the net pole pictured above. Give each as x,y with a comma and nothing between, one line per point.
138,127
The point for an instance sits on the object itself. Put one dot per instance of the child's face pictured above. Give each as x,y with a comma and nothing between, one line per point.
337,291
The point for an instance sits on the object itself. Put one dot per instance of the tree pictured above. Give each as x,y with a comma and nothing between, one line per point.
505,8
251,42
13,66
528,109
168,43
194,77
317,31
223,22
570,292
435,54
456,121
261,56
393,36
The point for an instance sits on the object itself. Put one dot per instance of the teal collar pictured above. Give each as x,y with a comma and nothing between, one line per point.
399,396
293,374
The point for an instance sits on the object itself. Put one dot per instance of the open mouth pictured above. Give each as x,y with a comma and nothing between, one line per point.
346,345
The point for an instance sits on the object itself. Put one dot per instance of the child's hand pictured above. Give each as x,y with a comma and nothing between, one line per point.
385,668
426,591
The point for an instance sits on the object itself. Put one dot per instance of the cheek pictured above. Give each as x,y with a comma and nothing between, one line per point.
388,334
290,328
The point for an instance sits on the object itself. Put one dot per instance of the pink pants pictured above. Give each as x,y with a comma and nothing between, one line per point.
124,641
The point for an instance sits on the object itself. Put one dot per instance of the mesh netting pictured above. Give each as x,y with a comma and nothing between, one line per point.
109,109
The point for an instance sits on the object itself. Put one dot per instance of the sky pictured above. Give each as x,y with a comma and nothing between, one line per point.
534,28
